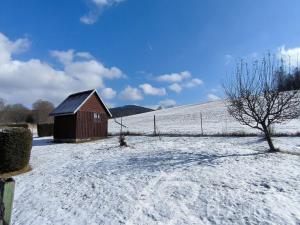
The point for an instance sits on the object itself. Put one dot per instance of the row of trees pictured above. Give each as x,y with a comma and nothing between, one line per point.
18,113
288,81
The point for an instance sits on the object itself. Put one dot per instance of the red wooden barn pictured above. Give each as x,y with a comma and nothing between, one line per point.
81,116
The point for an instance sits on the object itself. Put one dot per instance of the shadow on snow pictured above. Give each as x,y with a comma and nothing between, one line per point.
42,141
169,160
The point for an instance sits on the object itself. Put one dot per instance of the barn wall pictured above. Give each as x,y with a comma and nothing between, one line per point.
65,127
92,105
87,126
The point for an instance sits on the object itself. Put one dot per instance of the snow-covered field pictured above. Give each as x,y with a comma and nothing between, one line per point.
186,120
169,181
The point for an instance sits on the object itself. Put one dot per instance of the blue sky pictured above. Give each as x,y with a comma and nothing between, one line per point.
146,52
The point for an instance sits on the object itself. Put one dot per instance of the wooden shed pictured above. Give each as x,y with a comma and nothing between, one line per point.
81,116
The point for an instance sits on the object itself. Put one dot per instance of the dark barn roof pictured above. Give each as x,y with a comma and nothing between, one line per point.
73,103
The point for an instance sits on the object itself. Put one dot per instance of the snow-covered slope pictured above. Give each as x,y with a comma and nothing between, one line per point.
186,120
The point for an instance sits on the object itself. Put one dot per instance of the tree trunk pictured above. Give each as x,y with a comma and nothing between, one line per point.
269,139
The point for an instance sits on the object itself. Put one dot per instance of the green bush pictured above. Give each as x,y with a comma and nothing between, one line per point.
23,125
45,129
15,148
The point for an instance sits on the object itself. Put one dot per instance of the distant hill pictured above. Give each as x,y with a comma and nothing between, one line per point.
128,110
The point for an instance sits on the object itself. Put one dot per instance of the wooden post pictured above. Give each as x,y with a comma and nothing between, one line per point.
7,188
201,124
154,124
121,125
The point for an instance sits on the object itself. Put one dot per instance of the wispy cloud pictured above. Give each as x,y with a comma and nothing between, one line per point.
167,103
131,94
193,83
213,97
108,93
175,87
148,89
97,6
179,81
174,77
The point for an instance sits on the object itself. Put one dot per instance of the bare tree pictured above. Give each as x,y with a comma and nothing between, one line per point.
254,98
41,110
16,113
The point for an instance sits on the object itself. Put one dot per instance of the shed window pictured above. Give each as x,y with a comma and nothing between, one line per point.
97,118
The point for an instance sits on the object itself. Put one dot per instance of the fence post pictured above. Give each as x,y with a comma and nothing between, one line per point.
201,124
154,123
7,188
121,125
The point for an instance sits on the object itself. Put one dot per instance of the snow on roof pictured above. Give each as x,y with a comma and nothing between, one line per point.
73,103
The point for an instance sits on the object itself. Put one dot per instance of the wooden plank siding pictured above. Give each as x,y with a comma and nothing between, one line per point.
87,126
92,105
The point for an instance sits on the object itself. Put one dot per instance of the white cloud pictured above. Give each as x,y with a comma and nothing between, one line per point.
175,87
67,57
108,93
131,94
189,84
84,55
101,2
167,103
174,77
8,48
98,5
26,81
88,19
212,97
193,83
148,89
291,55
180,81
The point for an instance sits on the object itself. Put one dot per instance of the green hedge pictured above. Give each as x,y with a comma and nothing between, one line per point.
45,129
15,148
23,125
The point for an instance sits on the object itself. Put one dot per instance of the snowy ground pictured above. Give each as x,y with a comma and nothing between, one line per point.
167,181
186,120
